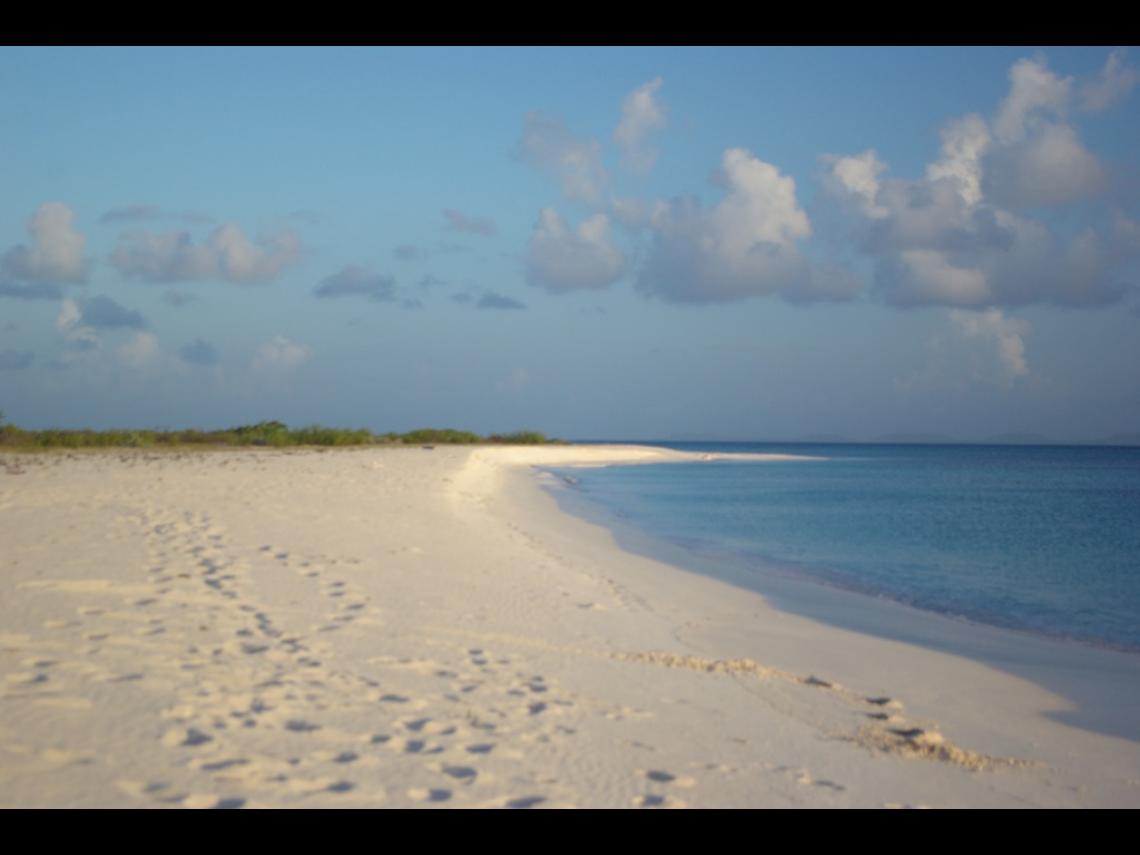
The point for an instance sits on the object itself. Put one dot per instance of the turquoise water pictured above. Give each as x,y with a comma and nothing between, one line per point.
1044,539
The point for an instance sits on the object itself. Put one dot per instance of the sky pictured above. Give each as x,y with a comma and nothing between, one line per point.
723,243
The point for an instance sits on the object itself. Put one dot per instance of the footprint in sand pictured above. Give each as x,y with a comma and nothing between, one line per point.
460,773
525,802
660,776
190,738
429,795
652,800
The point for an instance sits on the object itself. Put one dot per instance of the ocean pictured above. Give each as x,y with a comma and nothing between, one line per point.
1043,539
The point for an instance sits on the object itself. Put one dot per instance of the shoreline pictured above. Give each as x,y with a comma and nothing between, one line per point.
399,627
1075,668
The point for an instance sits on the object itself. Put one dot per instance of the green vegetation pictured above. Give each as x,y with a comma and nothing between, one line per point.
271,433
438,436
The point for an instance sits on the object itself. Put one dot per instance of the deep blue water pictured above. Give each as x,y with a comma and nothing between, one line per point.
1038,538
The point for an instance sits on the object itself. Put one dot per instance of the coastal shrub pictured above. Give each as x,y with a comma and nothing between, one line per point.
317,435
12,435
441,436
521,437
267,433
263,433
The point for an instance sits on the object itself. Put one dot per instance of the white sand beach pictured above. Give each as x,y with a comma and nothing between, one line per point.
400,627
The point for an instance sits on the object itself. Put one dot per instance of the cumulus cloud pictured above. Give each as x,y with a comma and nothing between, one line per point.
281,353
53,256
1005,335
226,254
150,213
80,320
562,259
964,142
69,322
744,246
14,360
199,352
857,178
932,278
1111,87
959,236
1050,168
457,221
641,114
548,145
491,300
1034,92
355,281
1039,158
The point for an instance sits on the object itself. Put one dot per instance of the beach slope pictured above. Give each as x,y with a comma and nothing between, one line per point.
401,627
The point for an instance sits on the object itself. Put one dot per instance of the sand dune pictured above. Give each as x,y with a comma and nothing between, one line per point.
401,627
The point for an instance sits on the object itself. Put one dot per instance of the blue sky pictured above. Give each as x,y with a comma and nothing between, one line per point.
760,243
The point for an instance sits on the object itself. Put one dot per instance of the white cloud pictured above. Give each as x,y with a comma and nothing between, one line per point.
1051,167
227,254
548,145
956,237
1039,159
1116,80
744,246
281,353
1034,90
55,252
857,176
641,114
560,259
1006,336
70,324
933,279
964,141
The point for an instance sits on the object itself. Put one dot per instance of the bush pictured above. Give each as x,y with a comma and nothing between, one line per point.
440,436
267,433
521,437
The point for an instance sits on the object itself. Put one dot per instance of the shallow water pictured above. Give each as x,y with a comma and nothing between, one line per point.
1044,539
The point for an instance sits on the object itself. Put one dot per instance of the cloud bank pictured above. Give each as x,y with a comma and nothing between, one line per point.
966,234
227,255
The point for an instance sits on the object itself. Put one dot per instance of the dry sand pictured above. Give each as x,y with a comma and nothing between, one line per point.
401,627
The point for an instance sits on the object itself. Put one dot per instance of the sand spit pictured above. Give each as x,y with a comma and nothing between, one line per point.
399,627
